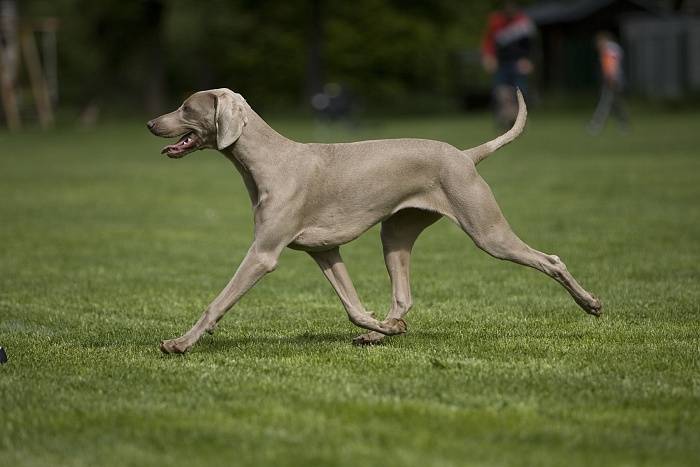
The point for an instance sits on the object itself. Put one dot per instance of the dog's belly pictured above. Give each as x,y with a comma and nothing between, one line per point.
340,227
327,237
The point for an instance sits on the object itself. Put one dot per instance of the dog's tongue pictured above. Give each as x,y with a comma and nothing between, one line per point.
184,143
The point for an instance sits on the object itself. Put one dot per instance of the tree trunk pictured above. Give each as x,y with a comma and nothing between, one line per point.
313,78
155,70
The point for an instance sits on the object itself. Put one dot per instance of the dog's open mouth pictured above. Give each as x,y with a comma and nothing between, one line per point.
186,145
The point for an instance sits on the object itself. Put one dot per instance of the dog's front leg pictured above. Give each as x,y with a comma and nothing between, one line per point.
255,265
334,269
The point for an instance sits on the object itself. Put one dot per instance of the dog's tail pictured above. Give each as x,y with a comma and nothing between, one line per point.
483,151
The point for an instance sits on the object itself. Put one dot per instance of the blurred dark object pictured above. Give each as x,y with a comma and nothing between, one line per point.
336,103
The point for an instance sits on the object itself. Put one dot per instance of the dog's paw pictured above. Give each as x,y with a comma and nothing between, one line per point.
595,308
372,338
393,326
173,346
590,304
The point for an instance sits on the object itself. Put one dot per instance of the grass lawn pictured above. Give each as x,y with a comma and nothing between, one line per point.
107,247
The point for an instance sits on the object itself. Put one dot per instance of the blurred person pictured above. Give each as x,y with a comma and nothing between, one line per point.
610,56
505,52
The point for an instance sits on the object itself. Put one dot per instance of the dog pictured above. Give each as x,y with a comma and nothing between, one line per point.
317,197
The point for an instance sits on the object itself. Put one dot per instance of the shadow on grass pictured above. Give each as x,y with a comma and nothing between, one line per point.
212,344
310,339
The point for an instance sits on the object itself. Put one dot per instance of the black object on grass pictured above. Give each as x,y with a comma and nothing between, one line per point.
3,356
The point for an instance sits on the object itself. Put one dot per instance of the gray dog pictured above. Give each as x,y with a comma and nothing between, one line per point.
316,197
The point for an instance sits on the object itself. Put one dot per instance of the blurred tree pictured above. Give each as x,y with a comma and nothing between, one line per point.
314,73
120,35
109,51
155,72
136,53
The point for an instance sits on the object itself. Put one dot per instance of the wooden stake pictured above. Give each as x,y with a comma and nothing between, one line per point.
7,92
36,76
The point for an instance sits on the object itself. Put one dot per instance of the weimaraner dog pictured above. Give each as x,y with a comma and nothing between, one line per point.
316,197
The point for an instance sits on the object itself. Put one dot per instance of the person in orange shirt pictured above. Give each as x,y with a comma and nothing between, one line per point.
613,83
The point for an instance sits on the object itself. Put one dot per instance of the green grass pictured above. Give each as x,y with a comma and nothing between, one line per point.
106,248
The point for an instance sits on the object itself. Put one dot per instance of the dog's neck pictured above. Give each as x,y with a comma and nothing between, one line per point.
257,155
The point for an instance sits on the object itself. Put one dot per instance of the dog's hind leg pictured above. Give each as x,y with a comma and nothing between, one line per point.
334,269
477,212
399,234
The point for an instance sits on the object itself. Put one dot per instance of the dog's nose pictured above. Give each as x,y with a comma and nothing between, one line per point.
151,124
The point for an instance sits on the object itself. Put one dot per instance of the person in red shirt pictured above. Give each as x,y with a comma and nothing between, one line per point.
613,82
505,51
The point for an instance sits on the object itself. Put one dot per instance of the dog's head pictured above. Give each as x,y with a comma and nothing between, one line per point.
206,120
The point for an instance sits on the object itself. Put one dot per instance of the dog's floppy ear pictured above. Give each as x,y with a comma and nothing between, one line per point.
231,117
